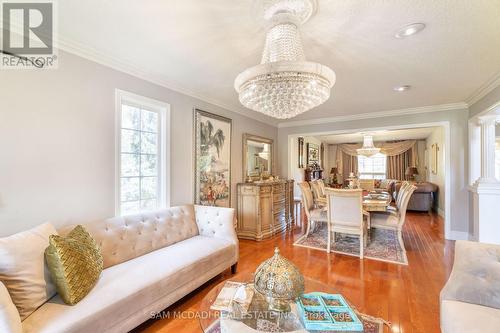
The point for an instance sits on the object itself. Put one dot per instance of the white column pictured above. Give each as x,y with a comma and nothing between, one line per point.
488,148
486,192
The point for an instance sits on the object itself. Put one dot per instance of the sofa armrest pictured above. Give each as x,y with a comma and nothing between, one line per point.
217,222
10,321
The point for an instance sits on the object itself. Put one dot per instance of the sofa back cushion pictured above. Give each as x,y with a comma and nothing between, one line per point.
23,270
126,237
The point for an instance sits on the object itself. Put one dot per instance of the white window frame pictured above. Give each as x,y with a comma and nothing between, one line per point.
163,110
373,174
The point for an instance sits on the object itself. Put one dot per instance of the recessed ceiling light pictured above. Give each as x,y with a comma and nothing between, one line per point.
409,30
402,88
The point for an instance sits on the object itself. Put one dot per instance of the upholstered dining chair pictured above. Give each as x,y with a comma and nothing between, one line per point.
394,220
345,215
318,189
404,187
313,212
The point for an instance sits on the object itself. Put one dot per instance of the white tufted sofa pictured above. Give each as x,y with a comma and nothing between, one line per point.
470,300
151,261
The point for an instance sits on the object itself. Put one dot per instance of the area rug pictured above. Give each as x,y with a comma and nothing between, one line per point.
370,325
383,244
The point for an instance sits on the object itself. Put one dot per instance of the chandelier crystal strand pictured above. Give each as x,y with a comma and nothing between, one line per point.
285,84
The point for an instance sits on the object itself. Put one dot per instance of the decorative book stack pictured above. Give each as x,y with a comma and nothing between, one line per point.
234,294
327,312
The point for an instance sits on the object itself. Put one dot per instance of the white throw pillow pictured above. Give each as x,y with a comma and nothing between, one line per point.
9,316
23,270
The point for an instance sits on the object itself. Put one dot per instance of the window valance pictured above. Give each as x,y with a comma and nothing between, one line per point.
386,148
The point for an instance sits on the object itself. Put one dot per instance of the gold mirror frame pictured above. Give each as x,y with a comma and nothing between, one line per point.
250,137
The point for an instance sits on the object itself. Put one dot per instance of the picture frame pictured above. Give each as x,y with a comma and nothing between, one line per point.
212,160
312,153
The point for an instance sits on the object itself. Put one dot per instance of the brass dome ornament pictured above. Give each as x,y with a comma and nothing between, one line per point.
280,281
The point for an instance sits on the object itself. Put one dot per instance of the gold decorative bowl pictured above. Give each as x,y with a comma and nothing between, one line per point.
280,281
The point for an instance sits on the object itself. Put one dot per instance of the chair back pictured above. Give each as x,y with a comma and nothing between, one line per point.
345,207
401,192
321,184
405,199
307,197
316,189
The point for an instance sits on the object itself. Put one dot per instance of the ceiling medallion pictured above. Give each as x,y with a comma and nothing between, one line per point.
284,84
368,148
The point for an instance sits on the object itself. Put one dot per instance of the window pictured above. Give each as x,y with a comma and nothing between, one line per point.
372,167
141,154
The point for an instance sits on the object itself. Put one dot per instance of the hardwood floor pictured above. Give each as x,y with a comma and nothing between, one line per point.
406,296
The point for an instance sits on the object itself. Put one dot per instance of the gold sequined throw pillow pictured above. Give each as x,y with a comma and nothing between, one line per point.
75,264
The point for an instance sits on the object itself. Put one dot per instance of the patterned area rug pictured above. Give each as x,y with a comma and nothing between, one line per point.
370,325
383,245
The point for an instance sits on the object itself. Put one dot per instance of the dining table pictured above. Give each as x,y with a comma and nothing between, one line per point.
376,202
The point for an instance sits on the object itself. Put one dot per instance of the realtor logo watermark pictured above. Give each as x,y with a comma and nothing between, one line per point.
28,35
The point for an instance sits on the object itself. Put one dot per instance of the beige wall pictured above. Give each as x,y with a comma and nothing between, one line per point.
437,137
57,142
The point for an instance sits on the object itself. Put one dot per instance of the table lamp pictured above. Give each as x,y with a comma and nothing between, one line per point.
411,172
334,171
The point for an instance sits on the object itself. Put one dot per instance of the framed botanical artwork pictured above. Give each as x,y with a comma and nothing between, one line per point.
312,153
212,137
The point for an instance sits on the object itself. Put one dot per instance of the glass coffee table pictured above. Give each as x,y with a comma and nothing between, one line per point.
259,318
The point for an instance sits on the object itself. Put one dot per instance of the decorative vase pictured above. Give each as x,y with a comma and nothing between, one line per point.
280,281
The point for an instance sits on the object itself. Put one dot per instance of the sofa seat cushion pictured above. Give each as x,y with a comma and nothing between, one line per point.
475,276
125,290
470,318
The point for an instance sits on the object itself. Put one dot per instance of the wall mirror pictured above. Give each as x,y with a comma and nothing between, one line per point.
257,157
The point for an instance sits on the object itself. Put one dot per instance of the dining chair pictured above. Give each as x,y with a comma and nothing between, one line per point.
314,213
345,215
318,192
394,221
404,187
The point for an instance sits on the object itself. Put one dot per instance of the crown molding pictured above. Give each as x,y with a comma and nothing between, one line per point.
379,114
128,68
485,89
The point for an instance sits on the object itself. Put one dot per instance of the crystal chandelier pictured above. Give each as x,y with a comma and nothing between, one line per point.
284,84
368,148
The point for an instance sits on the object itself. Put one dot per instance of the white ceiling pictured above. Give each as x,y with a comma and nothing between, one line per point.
199,47
406,134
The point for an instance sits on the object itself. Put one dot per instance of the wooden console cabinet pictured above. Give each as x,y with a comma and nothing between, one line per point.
264,209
